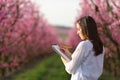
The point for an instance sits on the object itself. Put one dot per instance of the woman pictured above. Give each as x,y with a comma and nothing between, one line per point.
87,59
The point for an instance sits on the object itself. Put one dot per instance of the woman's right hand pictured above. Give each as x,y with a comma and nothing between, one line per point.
64,49
67,52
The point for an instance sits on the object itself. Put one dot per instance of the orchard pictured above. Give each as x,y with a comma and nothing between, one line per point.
24,34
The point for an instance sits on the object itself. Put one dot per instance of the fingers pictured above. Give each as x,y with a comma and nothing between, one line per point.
65,46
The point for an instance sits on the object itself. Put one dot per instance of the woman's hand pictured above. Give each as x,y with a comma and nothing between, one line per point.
67,52
64,50
63,60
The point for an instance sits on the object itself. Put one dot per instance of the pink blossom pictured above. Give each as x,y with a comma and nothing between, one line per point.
5,65
25,33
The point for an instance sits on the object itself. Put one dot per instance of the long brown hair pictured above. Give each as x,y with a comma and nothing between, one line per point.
89,29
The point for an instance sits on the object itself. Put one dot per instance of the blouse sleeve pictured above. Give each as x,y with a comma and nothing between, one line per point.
77,58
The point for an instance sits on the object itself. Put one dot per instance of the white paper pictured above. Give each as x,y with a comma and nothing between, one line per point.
56,48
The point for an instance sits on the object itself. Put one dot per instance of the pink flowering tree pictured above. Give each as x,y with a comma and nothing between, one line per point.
107,16
24,34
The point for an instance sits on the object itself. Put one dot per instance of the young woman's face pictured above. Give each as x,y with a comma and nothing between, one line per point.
79,31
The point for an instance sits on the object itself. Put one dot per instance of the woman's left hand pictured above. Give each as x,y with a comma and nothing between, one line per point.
63,60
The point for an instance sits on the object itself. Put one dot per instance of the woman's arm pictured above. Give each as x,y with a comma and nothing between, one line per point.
68,53
77,58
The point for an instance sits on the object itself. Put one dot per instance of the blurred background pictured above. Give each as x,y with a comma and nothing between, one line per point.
28,28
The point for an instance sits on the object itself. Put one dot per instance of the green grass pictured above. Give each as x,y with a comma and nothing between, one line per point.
50,68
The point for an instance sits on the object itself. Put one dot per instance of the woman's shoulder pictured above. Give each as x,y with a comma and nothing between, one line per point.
86,43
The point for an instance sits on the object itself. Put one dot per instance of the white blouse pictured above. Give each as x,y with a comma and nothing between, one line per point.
84,65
